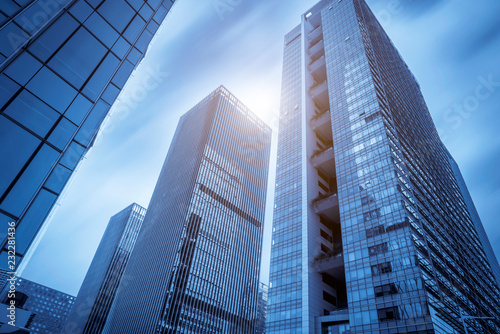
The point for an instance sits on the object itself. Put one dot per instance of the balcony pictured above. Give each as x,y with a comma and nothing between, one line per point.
322,125
316,50
315,35
318,69
328,205
331,263
319,92
324,161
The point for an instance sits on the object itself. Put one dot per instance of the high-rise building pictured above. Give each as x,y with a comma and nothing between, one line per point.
45,309
62,65
105,273
195,266
483,237
260,325
371,233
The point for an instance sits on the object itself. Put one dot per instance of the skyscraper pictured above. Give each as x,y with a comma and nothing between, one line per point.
371,233
195,266
47,309
483,237
105,273
260,326
62,65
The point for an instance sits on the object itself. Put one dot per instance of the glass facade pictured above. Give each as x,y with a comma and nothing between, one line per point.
371,233
62,65
48,308
105,273
260,322
195,266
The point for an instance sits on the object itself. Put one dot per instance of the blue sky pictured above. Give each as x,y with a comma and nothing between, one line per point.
451,46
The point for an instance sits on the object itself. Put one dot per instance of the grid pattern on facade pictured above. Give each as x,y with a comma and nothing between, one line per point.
62,65
213,213
105,273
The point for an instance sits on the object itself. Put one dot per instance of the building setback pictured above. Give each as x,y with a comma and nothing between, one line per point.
62,65
45,309
371,233
195,266
105,273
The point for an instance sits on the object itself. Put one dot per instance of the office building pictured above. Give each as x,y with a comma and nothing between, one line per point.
105,273
371,233
195,266
39,309
260,326
483,237
62,65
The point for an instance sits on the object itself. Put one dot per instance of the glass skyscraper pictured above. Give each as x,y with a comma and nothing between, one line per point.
260,323
105,273
62,65
371,231
195,266
47,308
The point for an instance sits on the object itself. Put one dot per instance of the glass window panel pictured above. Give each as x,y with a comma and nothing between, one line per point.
16,146
101,76
143,41
154,3
94,3
110,94
121,47
62,134
7,89
134,56
53,37
146,12
136,4
92,123
9,7
117,12
123,74
11,38
78,58
134,29
32,113
33,220
78,109
27,185
72,155
81,10
102,29
58,179
160,14
35,16
153,26
23,68
52,89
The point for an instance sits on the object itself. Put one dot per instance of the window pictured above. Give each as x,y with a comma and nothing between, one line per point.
104,32
123,74
16,155
375,231
23,68
72,155
78,109
382,268
51,89
78,58
388,313
62,133
27,185
325,249
33,219
11,38
101,76
32,113
386,290
53,37
329,298
374,214
81,10
117,12
134,29
378,249
92,123
121,47
326,236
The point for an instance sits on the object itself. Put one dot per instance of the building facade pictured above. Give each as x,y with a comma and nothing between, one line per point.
62,65
195,266
371,233
483,237
46,309
260,326
105,273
